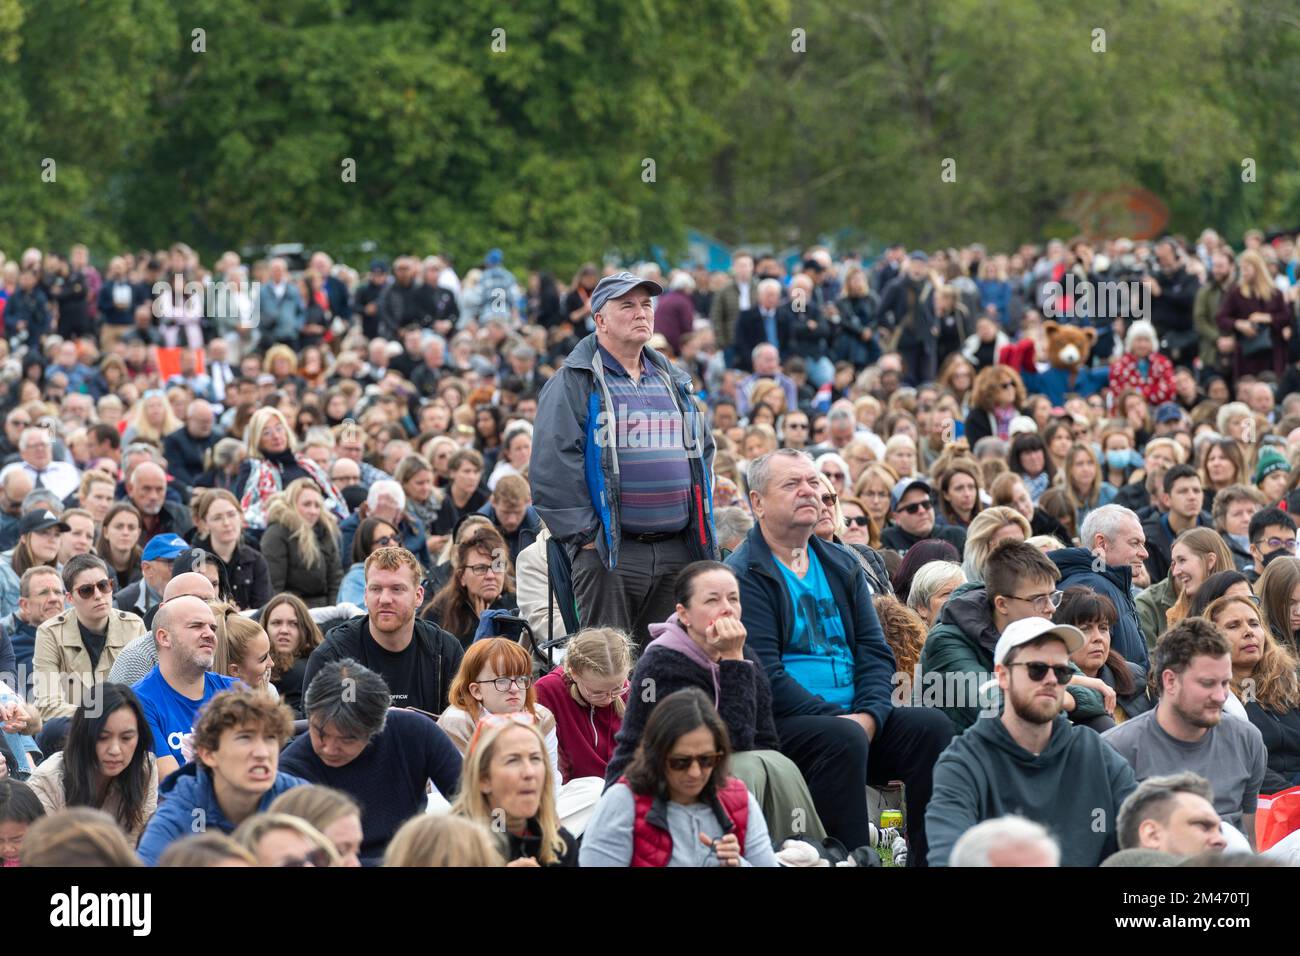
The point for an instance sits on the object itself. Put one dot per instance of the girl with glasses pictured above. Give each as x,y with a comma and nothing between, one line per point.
677,803
373,534
588,694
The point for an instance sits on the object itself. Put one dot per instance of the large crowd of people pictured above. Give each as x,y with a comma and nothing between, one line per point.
935,558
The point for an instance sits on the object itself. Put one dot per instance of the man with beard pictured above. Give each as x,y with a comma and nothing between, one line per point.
1186,730
174,692
1031,760
147,489
416,658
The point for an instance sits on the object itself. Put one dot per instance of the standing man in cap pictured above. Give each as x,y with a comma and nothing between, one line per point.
1032,760
497,295
621,473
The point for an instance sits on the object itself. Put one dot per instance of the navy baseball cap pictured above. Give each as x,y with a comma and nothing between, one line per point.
41,520
164,547
620,284
1168,412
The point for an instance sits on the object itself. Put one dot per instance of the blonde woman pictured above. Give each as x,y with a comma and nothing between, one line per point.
151,420
1081,482
279,840
442,841
873,487
990,528
334,813
301,545
1255,316
506,785
272,464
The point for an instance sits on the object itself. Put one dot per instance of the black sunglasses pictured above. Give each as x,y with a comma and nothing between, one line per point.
916,507
1037,670
859,522
86,590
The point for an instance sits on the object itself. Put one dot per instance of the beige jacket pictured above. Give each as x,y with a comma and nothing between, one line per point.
47,781
61,665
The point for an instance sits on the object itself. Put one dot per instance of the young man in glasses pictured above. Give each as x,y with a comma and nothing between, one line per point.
1111,542
1187,731
76,649
912,518
1019,583
807,609
1032,760
1272,535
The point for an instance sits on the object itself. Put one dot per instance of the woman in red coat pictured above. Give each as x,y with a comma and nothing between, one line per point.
1251,307
1142,367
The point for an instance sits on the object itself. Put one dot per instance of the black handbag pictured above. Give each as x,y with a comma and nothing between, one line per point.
1261,341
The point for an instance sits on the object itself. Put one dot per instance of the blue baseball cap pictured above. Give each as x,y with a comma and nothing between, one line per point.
620,284
493,258
1168,412
164,547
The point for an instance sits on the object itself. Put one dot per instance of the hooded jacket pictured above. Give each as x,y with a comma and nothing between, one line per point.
1074,788
671,662
768,615
962,644
186,799
1075,565
317,583
575,473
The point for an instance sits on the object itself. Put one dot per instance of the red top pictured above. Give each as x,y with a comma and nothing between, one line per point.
585,734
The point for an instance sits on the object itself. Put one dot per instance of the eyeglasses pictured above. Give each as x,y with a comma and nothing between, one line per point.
1286,544
916,507
318,858
829,500
482,569
862,521
1037,670
388,540
503,684
104,586
1040,601
706,762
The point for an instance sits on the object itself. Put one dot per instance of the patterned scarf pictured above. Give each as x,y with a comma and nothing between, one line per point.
266,479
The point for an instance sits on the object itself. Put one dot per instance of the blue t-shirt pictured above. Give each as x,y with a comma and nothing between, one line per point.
817,655
170,715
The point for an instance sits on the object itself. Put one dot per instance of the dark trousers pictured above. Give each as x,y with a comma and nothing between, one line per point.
637,593
918,364
838,763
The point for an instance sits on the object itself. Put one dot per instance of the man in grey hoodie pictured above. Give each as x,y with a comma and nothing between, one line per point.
1031,761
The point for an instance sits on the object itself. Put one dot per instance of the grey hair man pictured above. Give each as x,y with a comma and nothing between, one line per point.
1112,543
1173,814
1006,841
383,758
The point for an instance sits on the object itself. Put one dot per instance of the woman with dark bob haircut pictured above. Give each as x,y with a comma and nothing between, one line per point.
677,804
107,762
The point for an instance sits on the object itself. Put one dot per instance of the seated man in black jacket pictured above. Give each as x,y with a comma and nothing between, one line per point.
808,613
912,518
417,659
703,645
185,447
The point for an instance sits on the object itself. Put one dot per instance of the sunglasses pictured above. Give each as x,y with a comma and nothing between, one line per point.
706,762
318,858
104,586
858,522
828,500
387,541
1037,670
916,507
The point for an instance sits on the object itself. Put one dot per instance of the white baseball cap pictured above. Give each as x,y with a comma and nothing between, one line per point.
1030,629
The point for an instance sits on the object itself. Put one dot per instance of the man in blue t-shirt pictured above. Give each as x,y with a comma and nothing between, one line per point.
173,693
807,610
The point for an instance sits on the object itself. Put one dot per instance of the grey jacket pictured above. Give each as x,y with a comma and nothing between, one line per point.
575,474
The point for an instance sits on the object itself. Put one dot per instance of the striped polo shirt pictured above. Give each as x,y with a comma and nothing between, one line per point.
654,472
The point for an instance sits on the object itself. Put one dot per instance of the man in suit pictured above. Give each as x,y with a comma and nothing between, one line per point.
728,305
768,321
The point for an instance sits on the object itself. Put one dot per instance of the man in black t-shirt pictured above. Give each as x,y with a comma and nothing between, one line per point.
417,659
